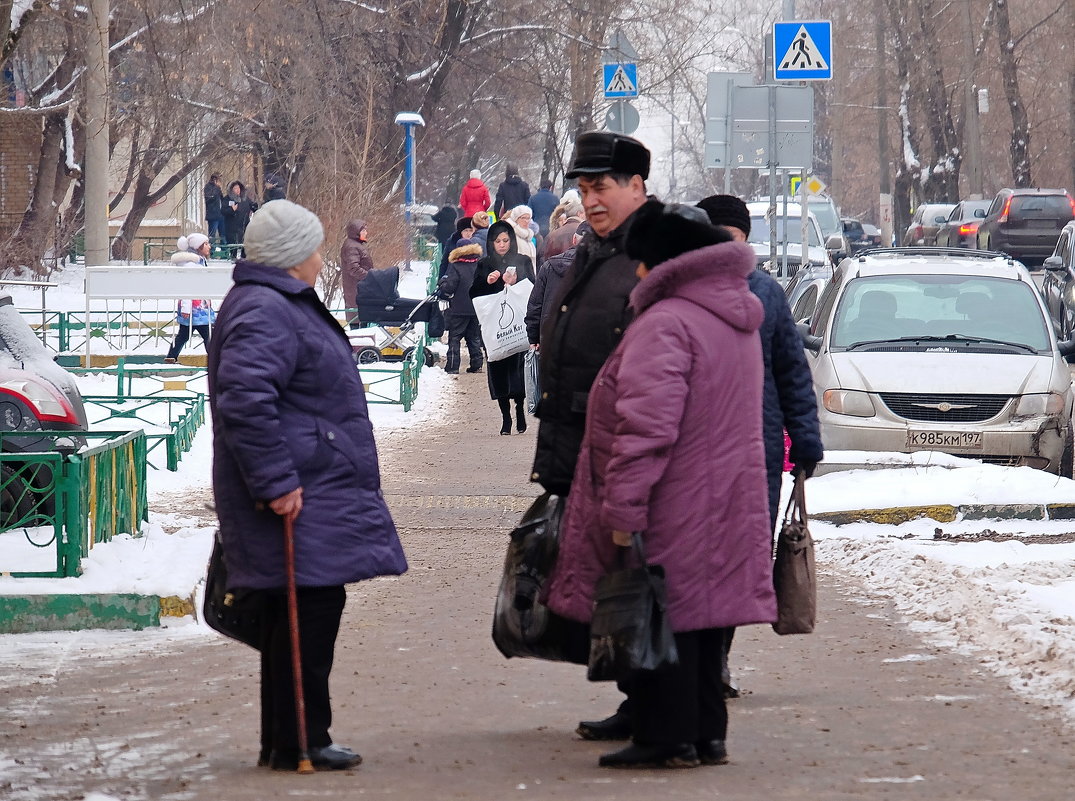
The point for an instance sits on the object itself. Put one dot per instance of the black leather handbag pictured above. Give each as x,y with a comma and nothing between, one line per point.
522,625
235,613
630,631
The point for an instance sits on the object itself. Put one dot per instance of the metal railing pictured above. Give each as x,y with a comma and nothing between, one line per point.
73,500
185,415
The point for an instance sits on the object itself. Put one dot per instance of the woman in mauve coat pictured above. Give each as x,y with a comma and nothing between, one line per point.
673,449
355,264
292,439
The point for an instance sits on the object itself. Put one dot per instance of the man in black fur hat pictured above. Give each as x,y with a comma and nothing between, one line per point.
587,321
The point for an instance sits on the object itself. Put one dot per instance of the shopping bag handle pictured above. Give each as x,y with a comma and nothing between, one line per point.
796,508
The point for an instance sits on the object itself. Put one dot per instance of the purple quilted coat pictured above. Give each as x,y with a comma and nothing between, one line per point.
673,448
288,411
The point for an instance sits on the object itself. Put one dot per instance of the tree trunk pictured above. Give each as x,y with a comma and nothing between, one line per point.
1020,150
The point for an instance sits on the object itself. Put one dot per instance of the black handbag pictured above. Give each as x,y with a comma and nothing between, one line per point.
234,612
522,625
794,576
630,632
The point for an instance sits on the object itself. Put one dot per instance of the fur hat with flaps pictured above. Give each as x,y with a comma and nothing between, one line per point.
659,232
465,250
495,230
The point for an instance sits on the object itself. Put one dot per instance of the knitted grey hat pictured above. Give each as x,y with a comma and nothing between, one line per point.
282,234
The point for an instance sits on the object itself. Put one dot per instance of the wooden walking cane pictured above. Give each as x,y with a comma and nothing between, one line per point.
305,765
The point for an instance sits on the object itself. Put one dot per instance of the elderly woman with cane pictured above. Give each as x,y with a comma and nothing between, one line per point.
294,449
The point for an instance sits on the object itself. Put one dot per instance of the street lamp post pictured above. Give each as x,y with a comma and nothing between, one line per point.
408,119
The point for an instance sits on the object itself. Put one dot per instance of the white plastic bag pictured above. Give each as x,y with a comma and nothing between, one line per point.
501,319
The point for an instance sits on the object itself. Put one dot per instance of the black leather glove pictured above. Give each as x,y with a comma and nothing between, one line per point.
806,469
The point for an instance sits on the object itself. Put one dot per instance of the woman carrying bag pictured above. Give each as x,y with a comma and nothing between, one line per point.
292,441
504,266
673,449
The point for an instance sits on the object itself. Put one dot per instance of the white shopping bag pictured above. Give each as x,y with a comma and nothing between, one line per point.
501,319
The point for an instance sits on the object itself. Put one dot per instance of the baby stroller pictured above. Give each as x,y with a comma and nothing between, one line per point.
390,335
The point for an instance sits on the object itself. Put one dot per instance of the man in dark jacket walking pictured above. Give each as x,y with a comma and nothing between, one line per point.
513,191
788,401
214,209
542,203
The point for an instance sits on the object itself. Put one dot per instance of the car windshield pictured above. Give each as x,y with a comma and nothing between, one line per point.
827,218
935,308
759,231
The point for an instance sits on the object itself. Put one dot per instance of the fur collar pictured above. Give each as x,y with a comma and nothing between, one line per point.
461,254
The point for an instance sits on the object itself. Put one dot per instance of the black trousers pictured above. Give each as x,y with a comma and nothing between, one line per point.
463,327
685,704
320,610
183,335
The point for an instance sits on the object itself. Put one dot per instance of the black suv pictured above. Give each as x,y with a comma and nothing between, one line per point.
1026,223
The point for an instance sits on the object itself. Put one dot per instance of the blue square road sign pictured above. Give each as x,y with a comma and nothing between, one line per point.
620,80
802,51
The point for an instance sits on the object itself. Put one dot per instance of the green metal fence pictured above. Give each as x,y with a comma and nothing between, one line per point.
184,415
71,501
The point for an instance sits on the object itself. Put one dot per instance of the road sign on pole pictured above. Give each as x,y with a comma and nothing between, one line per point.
718,113
622,118
802,51
621,80
777,116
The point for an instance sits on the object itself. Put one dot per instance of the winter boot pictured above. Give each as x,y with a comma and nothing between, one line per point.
505,415
520,416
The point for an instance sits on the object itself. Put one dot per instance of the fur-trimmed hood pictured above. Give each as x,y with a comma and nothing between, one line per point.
471,252
714,277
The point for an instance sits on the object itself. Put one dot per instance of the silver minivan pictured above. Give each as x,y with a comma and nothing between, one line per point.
947,351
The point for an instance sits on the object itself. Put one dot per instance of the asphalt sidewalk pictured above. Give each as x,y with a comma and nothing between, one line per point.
862,709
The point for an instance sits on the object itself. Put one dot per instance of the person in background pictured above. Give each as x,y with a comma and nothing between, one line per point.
191,314
504,266
292,440
560,238
355,264
238,206
461,321
543,202
475,195
547,286
274,187
214,208
464,229
513,191
673,450
587,321
480,224
445,220
520,219
788,401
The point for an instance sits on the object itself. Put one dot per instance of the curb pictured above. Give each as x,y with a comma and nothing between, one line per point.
21,614
947,513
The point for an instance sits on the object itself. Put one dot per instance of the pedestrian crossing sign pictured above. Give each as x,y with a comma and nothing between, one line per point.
621,80
802,51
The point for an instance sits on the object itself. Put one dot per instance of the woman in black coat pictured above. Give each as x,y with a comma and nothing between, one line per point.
504,265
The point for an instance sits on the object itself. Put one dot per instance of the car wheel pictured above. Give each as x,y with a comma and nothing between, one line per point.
1067,456
16,498
366,355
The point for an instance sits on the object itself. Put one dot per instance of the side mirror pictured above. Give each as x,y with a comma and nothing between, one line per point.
812,342
979,213
834,242
1054,263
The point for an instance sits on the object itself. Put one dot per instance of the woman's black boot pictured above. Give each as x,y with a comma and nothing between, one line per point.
520,416
505,411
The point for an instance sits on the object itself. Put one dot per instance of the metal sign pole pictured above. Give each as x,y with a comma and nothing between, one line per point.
772,151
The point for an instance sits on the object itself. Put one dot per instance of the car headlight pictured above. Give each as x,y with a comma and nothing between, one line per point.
848,401
1047,404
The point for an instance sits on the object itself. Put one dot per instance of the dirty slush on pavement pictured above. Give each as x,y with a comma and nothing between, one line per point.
861,709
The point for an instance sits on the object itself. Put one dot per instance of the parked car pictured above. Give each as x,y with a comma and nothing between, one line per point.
960,230
860,236
36,394
788,229
824,210
927,219
1058,283
914,350
1026,223
805,288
